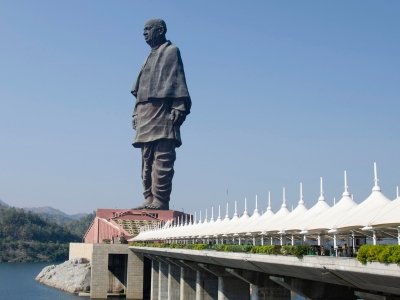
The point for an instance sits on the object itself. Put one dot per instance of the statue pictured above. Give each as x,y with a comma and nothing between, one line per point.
162,104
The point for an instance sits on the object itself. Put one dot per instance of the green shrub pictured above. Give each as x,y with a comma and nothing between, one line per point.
198,246
296,250
219,247
395,255
267,249
362,255
173,245
382,253
300,250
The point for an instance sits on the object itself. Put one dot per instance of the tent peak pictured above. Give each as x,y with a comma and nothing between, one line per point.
346,187
245,207
256,207
284,198
376,180
235,214
321,195
269,202
301,201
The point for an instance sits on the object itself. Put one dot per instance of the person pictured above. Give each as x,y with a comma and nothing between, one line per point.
162,104
345,250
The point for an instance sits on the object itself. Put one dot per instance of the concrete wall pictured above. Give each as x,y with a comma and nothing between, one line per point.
80,250
100,276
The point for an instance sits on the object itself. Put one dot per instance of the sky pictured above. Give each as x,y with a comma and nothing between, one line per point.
283,92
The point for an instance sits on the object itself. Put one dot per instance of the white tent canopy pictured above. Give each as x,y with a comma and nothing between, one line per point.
255,217
242,221
265,217
328,219
361,215
281,213
300,222
389,215
376,214
300,210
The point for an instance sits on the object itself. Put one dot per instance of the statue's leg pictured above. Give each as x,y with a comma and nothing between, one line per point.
147,163
162,173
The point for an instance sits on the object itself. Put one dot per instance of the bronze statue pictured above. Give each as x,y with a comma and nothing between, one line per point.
162,104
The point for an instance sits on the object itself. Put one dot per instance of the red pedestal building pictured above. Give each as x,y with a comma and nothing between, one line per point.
114,225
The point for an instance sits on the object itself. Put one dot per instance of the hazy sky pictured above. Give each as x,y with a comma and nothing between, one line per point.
282,91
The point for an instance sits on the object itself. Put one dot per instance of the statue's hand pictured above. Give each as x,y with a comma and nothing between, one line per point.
134,122
177,117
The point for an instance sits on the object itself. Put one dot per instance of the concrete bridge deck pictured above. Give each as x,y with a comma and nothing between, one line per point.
379,280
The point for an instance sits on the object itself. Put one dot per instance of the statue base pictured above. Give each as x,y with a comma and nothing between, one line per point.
111,224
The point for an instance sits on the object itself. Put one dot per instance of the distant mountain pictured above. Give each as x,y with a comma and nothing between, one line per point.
46,210
55,215
76,224
3,204
78,216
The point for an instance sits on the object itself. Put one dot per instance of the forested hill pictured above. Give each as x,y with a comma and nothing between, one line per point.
25,236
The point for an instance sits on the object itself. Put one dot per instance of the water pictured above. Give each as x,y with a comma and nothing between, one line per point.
17,282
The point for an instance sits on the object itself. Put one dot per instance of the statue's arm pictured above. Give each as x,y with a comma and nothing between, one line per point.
178,111
134,118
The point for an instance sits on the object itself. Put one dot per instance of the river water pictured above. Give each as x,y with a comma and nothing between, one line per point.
17,282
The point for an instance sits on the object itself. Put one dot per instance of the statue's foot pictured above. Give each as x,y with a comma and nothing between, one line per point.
146,202
157,204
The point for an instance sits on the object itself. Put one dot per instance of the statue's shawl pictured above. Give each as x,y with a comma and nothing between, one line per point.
167,76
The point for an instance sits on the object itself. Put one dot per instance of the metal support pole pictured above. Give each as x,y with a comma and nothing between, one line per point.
334,244
398,235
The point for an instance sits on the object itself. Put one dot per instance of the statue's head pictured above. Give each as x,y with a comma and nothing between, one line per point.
154,32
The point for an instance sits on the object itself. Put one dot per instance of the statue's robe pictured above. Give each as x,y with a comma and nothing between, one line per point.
160,87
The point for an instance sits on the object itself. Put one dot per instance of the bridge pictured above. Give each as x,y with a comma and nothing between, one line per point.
205,274
181,274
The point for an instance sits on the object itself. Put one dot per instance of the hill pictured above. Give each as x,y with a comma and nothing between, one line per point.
54,215
25,236
3,204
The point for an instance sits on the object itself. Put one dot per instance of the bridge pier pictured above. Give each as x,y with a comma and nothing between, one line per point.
315,290
134,276
231,288
206,286
163,280
187,284
99,277
261,287
174,274
155,265
115,267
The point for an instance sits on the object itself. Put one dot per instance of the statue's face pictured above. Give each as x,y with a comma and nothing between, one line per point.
152,33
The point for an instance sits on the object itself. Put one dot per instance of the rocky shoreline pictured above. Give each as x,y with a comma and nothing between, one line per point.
71,276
